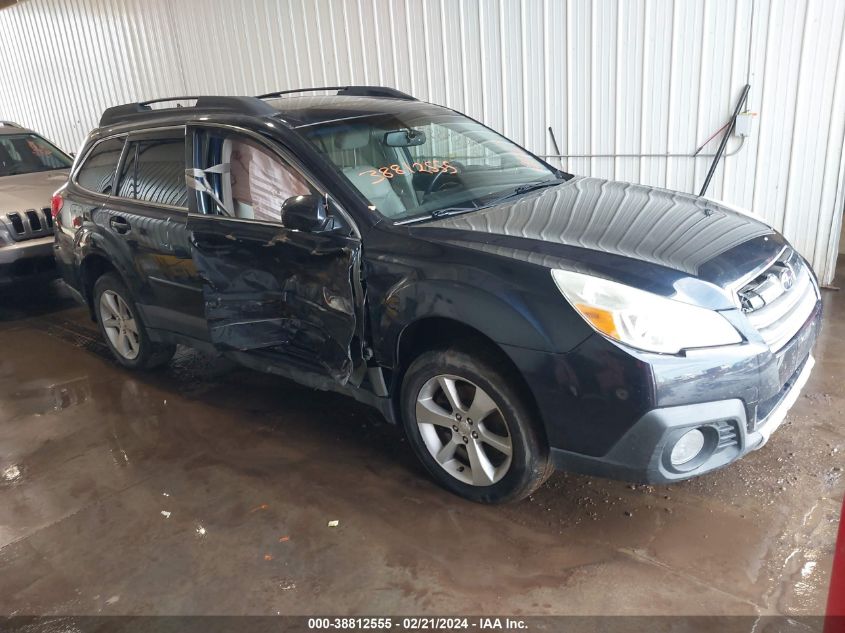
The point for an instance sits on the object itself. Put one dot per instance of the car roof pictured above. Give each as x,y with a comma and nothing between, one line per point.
9,127
301,111
290,107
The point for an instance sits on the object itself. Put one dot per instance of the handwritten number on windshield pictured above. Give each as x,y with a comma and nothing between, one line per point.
426,167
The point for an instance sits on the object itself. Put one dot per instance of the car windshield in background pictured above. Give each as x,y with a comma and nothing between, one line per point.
427,165
28,153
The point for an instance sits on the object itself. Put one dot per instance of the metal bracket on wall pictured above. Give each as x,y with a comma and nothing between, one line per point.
729,127
724,141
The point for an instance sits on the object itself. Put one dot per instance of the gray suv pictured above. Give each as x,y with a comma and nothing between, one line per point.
31,169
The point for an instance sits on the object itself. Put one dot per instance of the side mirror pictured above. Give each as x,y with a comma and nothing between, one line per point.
306,213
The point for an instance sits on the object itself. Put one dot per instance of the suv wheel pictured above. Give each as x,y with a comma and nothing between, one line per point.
471,429
122,328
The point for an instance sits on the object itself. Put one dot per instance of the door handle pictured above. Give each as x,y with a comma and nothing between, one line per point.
119,224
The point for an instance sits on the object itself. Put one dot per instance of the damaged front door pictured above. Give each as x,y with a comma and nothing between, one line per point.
281,292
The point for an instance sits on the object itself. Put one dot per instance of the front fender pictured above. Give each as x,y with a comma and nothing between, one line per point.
504,313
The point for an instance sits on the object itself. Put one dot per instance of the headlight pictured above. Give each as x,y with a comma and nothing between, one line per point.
642,319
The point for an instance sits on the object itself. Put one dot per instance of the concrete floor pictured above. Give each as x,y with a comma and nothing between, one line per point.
206,488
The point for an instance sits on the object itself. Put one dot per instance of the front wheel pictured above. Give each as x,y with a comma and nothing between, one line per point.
123,329
471,428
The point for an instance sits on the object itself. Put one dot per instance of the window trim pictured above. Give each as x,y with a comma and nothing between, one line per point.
124,156
75,174
277,148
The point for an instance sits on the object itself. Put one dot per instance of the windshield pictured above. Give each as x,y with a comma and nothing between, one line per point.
427,162
28,153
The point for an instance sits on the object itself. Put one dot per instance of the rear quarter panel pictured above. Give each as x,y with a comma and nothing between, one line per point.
82,234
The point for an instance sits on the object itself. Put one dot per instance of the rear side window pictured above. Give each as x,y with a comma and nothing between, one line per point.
154,171
97,172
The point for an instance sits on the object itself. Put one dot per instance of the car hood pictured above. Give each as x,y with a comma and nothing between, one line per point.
667,242
30,191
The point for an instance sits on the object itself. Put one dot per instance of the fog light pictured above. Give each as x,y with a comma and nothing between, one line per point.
687,448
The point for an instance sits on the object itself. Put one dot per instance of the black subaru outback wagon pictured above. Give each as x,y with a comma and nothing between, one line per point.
512,317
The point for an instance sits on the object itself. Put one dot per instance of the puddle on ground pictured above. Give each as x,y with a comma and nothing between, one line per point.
34,399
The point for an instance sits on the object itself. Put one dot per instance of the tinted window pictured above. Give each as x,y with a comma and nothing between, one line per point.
154,171
97,173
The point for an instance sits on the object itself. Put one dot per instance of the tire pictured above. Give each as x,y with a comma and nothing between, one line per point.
122,329
517,454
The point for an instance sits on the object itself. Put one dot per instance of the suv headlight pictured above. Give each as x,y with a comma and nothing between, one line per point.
642,319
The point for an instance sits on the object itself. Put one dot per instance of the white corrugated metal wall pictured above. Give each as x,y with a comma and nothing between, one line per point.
610,76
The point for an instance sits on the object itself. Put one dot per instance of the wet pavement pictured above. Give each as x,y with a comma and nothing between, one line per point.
205,488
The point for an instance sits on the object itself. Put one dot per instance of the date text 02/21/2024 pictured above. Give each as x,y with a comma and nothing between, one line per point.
418,623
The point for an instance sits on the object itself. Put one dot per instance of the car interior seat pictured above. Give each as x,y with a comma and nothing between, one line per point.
353,151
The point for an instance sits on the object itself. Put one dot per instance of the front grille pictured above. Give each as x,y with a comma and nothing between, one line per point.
28,224
17,223
34,220
780,300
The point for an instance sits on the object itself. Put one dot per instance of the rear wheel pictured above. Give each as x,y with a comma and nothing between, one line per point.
471,428
122,328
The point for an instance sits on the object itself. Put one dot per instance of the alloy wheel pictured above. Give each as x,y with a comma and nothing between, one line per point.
120,325
464,430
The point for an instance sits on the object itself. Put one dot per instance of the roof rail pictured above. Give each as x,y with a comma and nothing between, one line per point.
129,111
348,91
11,124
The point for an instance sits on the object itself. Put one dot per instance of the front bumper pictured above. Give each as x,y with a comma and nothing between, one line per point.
28,260
642,454
613,412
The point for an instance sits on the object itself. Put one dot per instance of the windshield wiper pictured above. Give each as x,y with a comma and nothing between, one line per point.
445,213
531,186
438,214
449,211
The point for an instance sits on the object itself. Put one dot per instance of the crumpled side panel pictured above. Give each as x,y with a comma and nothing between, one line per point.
285,297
